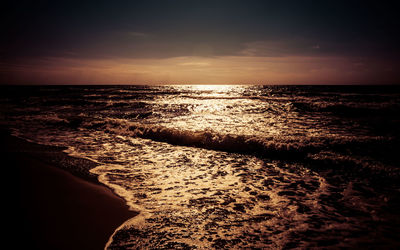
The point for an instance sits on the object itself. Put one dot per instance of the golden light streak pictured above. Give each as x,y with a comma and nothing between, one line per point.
195,70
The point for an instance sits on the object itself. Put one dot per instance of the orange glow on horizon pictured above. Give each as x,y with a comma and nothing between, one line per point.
196,70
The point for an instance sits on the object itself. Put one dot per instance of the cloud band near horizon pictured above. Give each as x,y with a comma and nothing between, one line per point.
291,42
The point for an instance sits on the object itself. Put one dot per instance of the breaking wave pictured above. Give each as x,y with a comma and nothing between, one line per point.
316,150
290,148
215,141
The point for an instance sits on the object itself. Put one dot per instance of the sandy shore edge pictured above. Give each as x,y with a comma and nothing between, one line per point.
53,208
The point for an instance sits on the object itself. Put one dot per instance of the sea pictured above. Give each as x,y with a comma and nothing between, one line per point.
230,166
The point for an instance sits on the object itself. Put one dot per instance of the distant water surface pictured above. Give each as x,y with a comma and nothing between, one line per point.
231,166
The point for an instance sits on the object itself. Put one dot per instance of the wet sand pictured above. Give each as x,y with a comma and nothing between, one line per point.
53,209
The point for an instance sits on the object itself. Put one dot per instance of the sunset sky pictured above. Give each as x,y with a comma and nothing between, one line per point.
199,42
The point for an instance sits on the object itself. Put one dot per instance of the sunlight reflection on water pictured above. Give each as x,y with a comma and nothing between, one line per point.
224,166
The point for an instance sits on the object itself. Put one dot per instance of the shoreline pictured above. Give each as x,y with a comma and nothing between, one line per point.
53,208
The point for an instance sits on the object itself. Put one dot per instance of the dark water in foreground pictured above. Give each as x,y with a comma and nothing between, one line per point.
231,166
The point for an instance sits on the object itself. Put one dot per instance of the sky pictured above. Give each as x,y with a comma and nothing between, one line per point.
199,42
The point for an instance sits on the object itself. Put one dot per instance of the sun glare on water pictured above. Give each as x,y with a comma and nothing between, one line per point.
214,88
211,90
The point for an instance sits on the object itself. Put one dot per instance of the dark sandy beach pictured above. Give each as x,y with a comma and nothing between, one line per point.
208,167
51,208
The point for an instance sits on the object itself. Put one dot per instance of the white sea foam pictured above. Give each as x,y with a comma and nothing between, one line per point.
230,166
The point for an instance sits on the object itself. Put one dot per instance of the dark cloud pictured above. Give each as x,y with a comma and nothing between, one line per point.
159,29
95,31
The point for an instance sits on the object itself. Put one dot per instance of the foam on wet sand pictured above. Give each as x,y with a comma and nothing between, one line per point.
53,209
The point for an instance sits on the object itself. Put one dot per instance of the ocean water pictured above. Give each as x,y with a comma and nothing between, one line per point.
219,166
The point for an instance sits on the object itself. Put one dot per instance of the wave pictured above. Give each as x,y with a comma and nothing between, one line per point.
315,152
207,139
224,97
347,110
